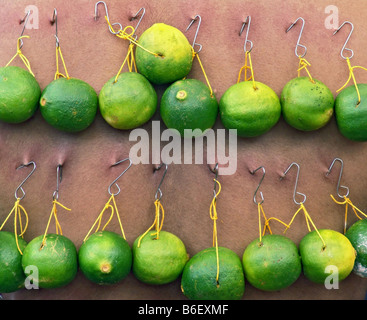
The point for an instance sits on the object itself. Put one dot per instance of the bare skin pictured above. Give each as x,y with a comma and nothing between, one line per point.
93,54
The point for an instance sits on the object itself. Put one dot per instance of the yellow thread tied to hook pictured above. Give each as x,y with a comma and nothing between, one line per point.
18,209
57,73
98,221
351,76
57,224
247,67
196,54
303,64
260,211
214,217
157,223
21,56
347,202
308,219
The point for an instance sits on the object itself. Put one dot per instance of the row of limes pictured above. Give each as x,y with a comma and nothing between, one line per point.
271,263
129,101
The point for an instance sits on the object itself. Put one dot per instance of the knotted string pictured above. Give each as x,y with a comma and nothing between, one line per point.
157,223
21,56
347,203
247,67
98,221
57,224
351,76
303,64
214,217
17,209
57,73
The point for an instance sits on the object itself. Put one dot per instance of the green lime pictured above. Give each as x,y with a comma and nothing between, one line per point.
173,54
199,281
273,264
19,94
128,103
187,104
56,261
339,255
159,261
351,117
306,106
251,111
357,235
105,258
11,271
69,104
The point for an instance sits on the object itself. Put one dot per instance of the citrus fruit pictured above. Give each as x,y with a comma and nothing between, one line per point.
159,261
187,104
105,258
129,102
306,106
69,104
338,253
199,281
351,117
251,111
173,54
357,235
11,271
273,264
19,94
56,261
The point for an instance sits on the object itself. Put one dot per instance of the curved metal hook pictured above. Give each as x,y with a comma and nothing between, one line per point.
114,181
262,178
108,18
55,195
346,41
141,18
248,23
160,183
340,176
299,38
54,21
215,171
22,183
197,17
296,183
25,20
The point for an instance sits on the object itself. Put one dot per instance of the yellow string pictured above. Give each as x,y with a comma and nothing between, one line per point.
57,73
17,209
303,64
308,219
57,224
351,76
100,216
130,61
157,223
347,202
21,56
245,68
260,210
196,54
124,34
214,217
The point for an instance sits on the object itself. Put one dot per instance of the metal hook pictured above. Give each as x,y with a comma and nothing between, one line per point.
25,20
141,18
299,38
58,181
340,176
346,41
248,23
54,21
197,17
160,183
21,185
108,18
261,194
215,171
114,181
296,183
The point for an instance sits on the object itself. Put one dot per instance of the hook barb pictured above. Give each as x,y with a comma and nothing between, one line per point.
20,187
194,43
121,174
299,38
257,189
295,192
339,179
248,23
